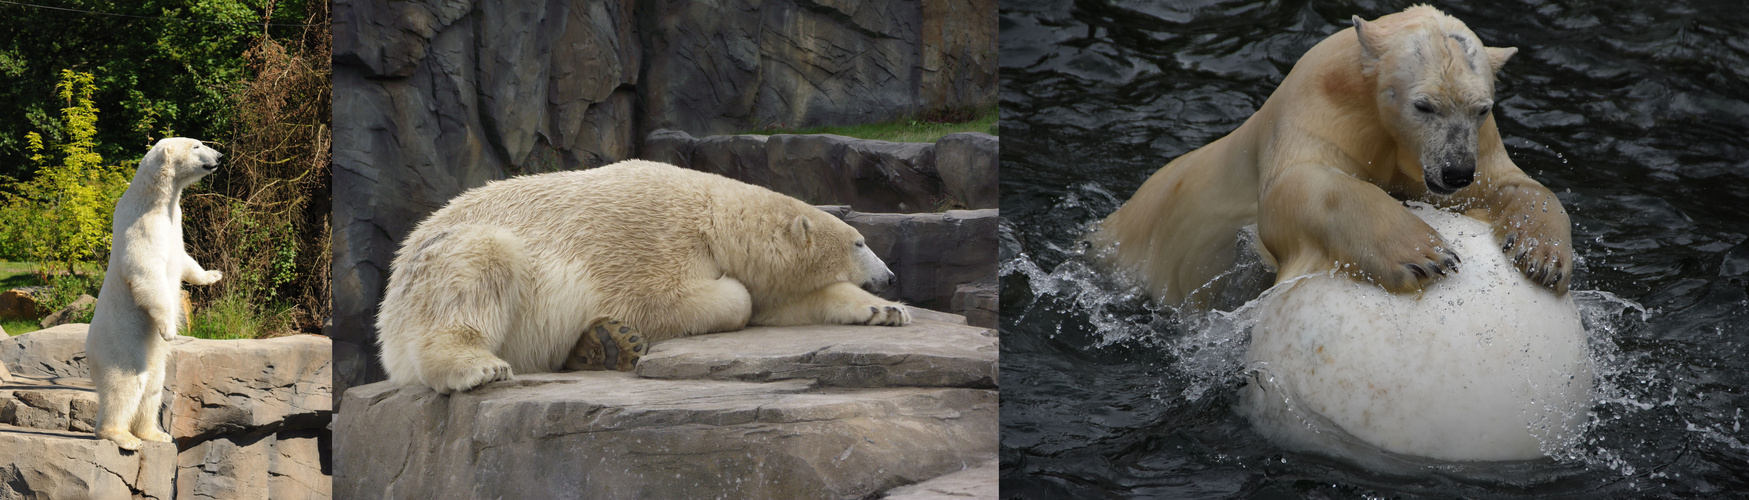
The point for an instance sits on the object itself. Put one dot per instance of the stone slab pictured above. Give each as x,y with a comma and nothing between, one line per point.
921,354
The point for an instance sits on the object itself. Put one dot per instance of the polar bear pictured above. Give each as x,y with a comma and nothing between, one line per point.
138,307
587,268
1399,108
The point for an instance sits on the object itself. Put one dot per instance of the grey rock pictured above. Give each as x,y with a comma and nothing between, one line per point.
71,312
969,166
922,354
979,302
57,351
615,435
933,253
61,464
250,416
978,482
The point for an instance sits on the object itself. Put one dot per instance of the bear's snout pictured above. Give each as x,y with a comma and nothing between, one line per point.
1459,175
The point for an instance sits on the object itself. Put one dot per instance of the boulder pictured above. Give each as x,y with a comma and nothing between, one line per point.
980,303
747,414
969,166
19,304
73,312
250,416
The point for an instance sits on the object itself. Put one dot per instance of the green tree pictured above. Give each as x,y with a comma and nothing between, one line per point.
61,216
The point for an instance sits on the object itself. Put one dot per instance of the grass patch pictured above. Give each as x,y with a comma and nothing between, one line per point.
233,316
20,326
929,127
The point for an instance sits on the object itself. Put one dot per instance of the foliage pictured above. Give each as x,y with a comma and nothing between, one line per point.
62,216
66,288
262,219
929,127
161,74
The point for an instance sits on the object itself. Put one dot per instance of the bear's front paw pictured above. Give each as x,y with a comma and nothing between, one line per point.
469,373
211,277
1403,264
168,334
888,315
1543,255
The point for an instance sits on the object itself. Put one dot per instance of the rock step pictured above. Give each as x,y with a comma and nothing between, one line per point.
981,481
60,404
922,354
60,464
792,412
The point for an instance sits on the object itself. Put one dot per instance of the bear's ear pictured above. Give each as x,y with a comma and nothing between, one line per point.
1497,56
1372,41
802,229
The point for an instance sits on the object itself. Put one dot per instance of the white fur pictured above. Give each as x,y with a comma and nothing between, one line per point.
139,306
505,277
1483,365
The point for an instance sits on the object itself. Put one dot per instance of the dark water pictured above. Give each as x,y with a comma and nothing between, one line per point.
1635,113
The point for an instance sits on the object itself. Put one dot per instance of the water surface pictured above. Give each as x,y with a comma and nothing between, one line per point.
1635,113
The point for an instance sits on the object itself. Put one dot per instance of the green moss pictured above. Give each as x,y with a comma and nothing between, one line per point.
929,128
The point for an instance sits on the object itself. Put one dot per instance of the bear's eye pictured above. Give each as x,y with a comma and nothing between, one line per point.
1485,110
859,244
1424,107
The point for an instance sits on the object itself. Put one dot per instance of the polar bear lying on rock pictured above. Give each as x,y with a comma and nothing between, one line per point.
1399,108
585,269
140,303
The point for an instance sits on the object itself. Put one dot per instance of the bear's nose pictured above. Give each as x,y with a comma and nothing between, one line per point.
1458,174
892,279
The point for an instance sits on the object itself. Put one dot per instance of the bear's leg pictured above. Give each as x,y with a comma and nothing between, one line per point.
145,421
1314,217
840,303
118,398
450,303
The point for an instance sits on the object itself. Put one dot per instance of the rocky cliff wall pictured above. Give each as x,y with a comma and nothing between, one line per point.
435,97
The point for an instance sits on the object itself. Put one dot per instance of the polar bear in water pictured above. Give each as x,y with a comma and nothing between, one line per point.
1482,365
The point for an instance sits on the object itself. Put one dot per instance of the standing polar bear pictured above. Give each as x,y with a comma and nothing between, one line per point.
588,268
1398,108
139,305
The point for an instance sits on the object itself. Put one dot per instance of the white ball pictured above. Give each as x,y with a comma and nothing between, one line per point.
1482,365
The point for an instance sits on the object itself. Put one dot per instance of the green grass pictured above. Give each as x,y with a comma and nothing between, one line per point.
235,317
915,129
20,326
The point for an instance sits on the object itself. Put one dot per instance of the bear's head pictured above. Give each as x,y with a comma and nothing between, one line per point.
1435,89
830,251
179,160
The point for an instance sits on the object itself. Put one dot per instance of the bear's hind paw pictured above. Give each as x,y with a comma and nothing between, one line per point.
154,435
122,439
608,344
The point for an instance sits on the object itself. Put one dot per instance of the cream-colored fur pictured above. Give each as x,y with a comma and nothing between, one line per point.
1393,109
139,306
505,278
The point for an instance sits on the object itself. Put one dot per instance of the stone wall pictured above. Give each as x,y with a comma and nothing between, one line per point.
432,98
250,419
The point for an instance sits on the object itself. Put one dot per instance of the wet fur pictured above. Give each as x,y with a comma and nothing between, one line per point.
1322,166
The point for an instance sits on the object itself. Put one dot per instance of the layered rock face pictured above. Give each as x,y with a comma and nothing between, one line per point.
433,98
794,412
958,171
249,417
